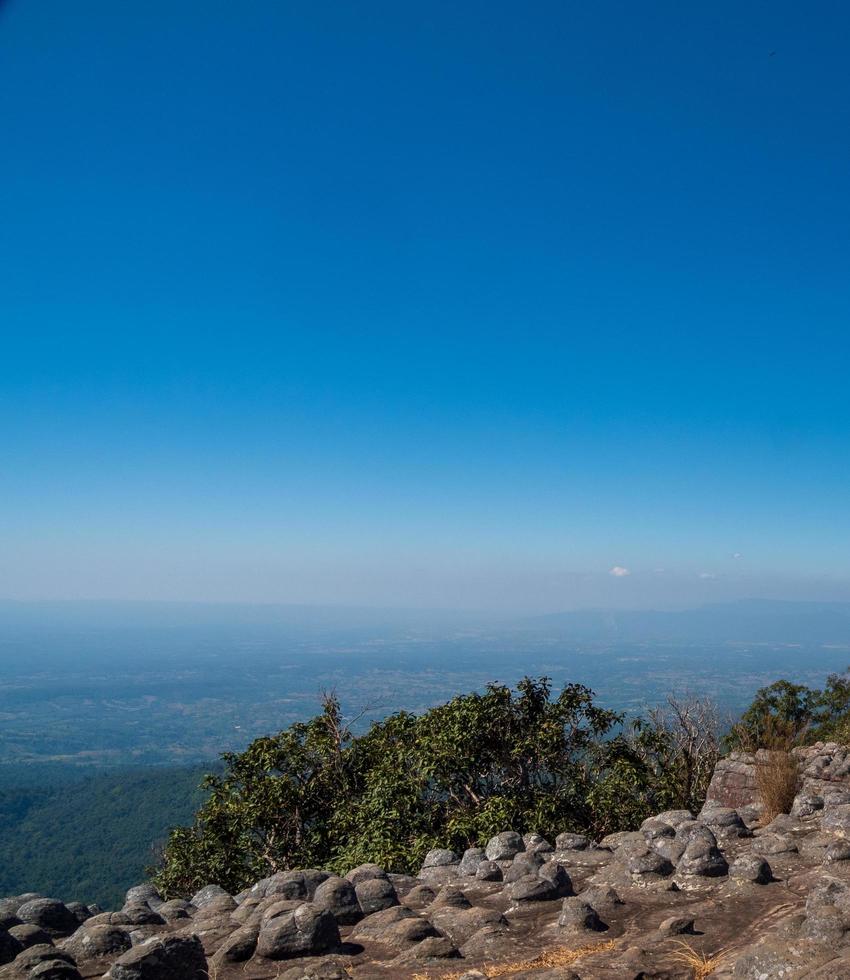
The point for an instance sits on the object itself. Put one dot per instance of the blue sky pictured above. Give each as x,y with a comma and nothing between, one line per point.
424,304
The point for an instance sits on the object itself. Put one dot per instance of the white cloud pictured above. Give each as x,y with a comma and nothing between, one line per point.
737,555
707,575
619,572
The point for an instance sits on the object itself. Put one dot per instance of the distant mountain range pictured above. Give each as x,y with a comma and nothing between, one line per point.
745,621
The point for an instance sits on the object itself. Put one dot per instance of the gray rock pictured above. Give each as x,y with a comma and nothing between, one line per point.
208,894
54,970
576,915
363,872
238,947
272,908
522,869
90,943
287,885
29,935
838,850
504,846
313,877
528,862
725,821
434,948
439,857
654,828
772,961
674,817
613,842
472,857
640,860
601,897
782,823
537,843
452,898
774,844
836,819
397,927
375,895
308,931
827,919
677,925
702,858
571,842
144,894
50,915
489,871
162,958
176,909
80,912
30,958
487,943
339,897
558,877
532,889
419,897
751,867
670,848
142,915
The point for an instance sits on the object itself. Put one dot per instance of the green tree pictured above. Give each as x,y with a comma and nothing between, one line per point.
316,795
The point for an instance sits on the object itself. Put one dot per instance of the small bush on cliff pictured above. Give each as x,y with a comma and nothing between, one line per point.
318,795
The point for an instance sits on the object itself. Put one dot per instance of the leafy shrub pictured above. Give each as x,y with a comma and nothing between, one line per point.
800,713
318,795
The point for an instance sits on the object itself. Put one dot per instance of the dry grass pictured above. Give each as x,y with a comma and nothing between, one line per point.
776,771
702,965
776,768
776,778
560,956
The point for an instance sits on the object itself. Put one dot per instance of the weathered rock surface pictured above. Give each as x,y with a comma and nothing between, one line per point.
769,901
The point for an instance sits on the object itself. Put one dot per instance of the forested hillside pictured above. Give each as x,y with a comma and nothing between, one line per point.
77,833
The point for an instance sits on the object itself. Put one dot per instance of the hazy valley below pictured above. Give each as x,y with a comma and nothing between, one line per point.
110,713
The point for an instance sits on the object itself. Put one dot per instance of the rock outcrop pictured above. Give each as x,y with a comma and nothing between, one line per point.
747,899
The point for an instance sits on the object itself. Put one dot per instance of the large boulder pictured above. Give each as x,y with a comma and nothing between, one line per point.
701,857
49,914
29,935
144,894
287,885
238,947
376,894
363,872
578,916
338,896
307,931
162,958
208,894
396,927
440,857
472,858
97,941
504,846
751,868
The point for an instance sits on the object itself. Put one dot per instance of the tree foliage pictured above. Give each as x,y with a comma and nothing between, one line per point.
319,795
802,713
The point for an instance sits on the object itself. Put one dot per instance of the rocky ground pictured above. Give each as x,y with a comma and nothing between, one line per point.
717,894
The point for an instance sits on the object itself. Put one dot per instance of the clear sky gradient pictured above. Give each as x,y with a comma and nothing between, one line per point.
425,304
